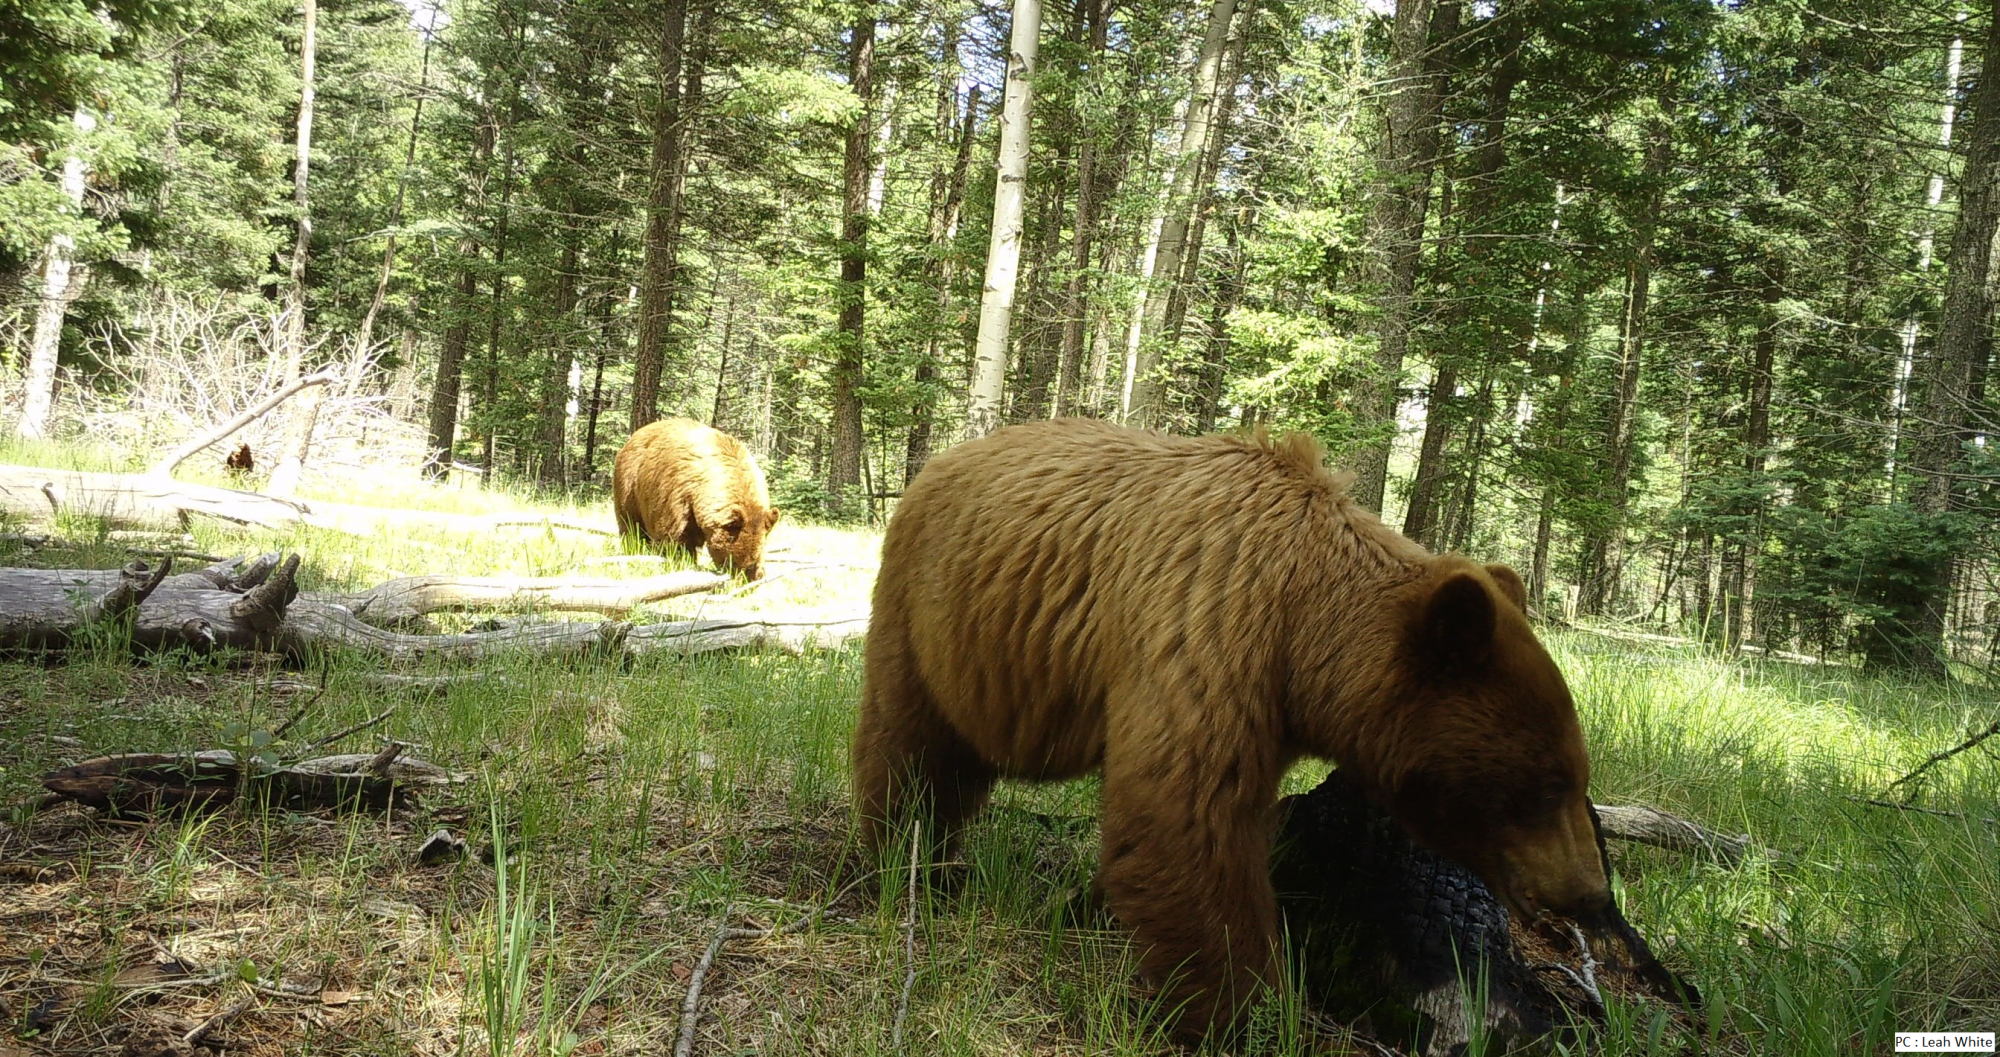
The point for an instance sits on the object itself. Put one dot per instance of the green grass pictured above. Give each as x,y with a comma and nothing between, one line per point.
639,808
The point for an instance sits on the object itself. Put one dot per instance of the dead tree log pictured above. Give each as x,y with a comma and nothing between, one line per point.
46,609
254,605
399,602
313,626
689,637
143,783
1649,825
138,500
230,604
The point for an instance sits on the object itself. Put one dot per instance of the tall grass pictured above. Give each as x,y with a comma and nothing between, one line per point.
649,805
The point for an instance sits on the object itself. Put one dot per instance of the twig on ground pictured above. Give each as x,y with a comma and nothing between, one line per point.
691,1006
300,713
194,1038
909,942
1874,802
1588,969
148,985
377,720
1945,754
553,523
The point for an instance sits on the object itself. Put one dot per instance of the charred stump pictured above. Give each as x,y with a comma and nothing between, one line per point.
1393,937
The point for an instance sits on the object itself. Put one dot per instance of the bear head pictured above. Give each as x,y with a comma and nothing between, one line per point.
738,543
1485,761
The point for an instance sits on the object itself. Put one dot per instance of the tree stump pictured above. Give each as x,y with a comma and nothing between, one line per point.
1393,936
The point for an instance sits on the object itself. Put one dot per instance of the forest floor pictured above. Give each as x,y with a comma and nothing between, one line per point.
643,807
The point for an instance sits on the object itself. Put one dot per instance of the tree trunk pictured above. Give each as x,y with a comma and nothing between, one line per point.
442,434
659,275
552,469
1942,386
305,414
1003,255
1430,454
1208,396
1149,391
1083,232
1472,218
1933,196
62,280
947,202
365,333
1604,551
499,311
1039,348
1757,443
844,468
1409,151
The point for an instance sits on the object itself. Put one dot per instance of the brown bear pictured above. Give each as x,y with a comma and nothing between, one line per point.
1192,615
678,481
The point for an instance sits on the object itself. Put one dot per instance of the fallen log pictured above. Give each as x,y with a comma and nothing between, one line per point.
254,605
689,637
145,783
398,602
229,604
47,609
139,500
313,626
1649,825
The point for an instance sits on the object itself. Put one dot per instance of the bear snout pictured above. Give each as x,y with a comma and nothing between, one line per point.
1556,869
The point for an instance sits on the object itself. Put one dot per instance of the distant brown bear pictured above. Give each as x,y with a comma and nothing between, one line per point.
240,460
680,482
1193,615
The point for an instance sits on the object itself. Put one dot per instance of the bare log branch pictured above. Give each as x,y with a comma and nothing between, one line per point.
315,625
1649,825
691,1005
139,500
1945,754
165,467
400,601
690,637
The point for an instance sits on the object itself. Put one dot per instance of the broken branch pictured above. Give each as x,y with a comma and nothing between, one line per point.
165,467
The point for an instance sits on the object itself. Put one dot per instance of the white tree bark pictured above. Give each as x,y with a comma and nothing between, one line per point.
62,278
298,435
1148,389
1003,251
1899,399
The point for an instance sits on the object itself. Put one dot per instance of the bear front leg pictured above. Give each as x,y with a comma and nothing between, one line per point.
1186,867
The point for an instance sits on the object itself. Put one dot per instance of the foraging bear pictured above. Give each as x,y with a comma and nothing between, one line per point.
678,481
1192,615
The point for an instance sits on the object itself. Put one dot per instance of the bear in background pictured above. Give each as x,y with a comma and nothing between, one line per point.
677,481
1191,615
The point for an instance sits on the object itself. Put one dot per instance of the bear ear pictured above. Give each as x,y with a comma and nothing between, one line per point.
771,518
1458,621
1509,583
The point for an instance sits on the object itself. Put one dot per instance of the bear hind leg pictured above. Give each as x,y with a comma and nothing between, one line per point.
910,764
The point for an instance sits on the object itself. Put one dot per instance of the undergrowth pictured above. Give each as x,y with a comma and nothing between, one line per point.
619,815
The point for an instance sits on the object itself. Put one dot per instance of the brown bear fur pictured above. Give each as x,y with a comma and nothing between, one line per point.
680,482
1192,615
